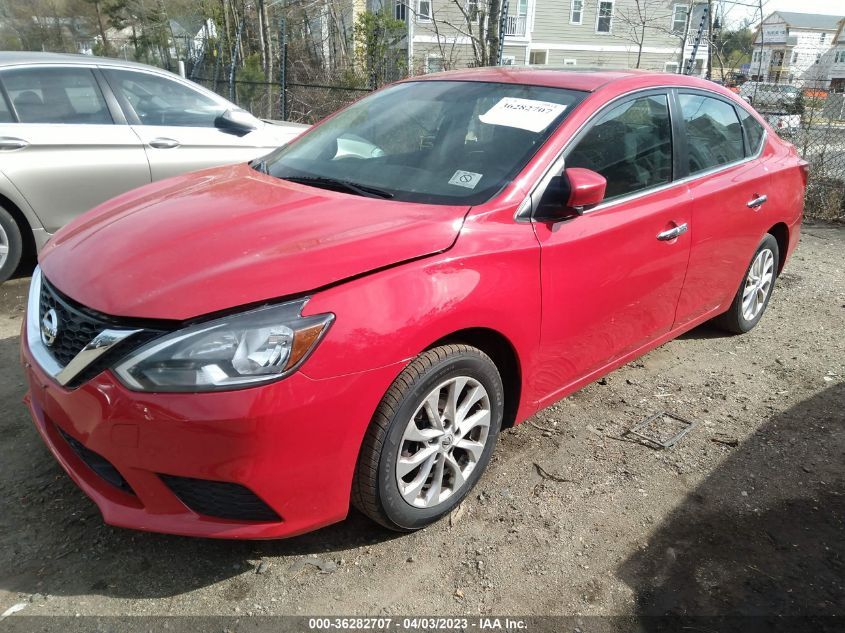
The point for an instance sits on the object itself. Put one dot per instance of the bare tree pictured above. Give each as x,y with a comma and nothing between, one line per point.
639,19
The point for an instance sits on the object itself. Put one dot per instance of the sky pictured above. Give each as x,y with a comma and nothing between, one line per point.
735,13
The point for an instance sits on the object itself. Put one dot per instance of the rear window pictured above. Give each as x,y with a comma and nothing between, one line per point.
56,95
754,132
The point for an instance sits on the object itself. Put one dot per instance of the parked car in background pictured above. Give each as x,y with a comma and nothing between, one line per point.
244,351
771,96
77,130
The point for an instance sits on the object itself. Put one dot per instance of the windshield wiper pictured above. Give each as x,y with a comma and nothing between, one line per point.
341,185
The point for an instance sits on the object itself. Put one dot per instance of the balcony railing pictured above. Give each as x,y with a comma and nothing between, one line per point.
515,25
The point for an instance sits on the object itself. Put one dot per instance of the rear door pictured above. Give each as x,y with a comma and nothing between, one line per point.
65,151
176,124
612,276
730,186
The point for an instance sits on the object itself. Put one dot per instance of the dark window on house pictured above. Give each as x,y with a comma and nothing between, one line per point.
604,20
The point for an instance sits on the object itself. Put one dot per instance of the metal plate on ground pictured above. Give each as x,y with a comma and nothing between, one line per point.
662,430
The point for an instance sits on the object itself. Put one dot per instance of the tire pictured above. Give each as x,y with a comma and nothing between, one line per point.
389,491
11,245
740,317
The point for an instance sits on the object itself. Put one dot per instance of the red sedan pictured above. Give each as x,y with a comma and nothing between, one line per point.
242,352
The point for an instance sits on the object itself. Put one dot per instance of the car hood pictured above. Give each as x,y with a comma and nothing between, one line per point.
231,236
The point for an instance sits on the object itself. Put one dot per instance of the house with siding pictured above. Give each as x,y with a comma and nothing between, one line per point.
793,47
649,34
835,59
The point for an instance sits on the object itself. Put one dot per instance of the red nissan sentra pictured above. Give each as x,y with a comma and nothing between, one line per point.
242,352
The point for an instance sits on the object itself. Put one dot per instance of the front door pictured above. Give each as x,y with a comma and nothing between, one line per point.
176,124
611,277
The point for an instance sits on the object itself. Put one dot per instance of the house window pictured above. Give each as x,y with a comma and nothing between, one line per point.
423,10
400,10
576,11
670,67
568,61
794,58
538,58
433,63
604,17
508,60
472,10
679,18
839,57
818,58
823,37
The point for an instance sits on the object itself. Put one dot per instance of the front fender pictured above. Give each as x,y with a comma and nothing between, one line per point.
489,279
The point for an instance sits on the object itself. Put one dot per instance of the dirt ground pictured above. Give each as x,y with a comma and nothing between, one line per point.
744,516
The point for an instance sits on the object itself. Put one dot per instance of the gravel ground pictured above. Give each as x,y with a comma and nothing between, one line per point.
744,516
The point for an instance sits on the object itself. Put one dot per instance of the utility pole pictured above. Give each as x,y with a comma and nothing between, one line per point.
503,25
709,74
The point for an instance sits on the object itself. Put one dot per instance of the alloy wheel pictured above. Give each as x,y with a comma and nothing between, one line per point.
758,284
4,246
443,442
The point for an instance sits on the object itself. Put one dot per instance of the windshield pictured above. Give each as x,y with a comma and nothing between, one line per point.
438,142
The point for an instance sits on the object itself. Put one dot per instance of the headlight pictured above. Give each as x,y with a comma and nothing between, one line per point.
237,351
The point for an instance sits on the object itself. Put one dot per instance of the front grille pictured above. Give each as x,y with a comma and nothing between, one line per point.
96,462
221,499
76,328
79,325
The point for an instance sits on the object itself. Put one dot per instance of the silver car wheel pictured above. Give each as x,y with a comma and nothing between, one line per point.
443,442
4,246
758,284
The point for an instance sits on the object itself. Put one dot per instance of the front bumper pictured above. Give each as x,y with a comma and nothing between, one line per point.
293,444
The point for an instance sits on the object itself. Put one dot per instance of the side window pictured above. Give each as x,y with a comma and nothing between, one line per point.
5,114
630,145
56,95
714,136
753,132
161,101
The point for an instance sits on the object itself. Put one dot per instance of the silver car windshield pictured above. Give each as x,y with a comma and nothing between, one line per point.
437,142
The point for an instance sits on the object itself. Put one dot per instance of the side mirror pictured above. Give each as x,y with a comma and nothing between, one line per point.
570,194
237,122
586,188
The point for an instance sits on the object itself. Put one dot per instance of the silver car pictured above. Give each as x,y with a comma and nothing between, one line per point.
77,130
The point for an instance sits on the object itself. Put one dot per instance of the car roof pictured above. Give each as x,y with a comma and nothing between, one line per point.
15,58
584,79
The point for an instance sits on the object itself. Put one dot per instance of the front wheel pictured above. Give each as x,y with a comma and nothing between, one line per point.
430,439
11,245
755,290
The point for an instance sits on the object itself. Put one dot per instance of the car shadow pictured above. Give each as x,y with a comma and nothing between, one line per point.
764,535
53,540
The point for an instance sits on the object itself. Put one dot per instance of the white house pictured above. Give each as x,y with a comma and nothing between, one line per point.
792,47
836,60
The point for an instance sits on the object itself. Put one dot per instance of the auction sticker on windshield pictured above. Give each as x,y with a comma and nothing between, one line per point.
526,114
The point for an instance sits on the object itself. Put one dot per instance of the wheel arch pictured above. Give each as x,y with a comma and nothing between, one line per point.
781,234
29,246
503,354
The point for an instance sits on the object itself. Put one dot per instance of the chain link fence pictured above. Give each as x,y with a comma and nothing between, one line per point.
806,114
811,116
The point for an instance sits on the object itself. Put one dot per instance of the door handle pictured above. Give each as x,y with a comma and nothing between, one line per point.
758,201
10,142
671,234
164,143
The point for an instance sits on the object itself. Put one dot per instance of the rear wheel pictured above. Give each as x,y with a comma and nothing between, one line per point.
11,245
430,439
754,292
